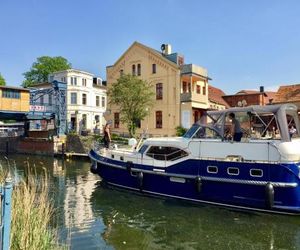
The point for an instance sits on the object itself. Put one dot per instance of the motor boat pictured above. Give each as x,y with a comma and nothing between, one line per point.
261,172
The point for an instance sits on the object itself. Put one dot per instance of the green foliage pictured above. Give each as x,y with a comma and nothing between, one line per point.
44,66
180,131
2,81
32,212
134,97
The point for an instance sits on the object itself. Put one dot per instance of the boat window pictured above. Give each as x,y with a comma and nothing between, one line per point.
205,132
191,131
143,149
166,153
233,171
212,169
292,126
256,172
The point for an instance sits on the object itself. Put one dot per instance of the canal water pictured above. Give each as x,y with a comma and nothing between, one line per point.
91,216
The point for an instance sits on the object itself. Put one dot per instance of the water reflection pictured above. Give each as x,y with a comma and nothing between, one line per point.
136,222
91,216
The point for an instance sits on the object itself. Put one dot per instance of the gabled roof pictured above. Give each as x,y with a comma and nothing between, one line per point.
215,95
288,93
155,52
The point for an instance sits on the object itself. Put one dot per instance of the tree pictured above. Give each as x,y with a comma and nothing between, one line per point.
134,98
2,80
44,66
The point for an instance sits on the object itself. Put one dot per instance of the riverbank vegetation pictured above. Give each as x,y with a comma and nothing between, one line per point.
32,212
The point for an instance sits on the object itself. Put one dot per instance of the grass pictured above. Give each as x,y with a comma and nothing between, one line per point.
32,213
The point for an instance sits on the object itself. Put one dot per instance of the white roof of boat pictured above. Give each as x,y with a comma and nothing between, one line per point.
167,141
257,108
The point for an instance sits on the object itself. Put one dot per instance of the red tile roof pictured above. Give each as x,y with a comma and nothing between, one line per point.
288,93
215,95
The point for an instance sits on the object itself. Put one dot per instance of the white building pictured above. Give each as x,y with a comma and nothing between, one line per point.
86,99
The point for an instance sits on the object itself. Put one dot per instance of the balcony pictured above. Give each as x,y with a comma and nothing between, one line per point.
192,69
194,97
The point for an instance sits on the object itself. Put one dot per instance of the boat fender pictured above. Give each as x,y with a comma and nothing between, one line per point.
198,183
94,167
269,195
129,165
140,177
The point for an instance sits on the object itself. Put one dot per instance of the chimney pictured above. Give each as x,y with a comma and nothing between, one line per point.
261,89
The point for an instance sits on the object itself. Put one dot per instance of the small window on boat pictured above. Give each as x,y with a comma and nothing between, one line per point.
212,169
256,172
233,171
112,156
121,158
166,153
143,149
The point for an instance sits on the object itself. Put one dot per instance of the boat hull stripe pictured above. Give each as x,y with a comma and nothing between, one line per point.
206,178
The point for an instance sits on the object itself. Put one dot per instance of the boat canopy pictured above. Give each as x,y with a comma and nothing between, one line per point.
268,119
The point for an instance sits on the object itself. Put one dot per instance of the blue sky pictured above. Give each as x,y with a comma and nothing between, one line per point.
243,44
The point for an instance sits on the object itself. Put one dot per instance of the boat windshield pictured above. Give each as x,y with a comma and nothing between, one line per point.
191,131
198,131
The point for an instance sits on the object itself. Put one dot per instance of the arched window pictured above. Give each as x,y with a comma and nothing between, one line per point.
158,116
159,91
133,70
139,69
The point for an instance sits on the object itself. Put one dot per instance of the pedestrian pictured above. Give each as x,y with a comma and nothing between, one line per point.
236,131
107,137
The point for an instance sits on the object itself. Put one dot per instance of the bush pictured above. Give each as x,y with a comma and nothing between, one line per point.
180,131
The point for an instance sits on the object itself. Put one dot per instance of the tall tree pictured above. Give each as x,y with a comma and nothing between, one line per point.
2,81
134,97
43,67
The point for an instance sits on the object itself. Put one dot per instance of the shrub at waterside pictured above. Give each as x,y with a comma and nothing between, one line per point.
31,214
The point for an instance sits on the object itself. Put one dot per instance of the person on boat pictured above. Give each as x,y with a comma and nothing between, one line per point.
292,131
107,137
236,131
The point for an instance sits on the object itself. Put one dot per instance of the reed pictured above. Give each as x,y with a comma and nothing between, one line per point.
32,211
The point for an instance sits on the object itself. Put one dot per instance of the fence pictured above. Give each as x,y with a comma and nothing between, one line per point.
6,198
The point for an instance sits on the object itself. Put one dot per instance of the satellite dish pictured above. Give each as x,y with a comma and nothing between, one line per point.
163,47
239,104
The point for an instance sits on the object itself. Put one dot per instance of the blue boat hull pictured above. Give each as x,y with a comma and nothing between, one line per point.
277,191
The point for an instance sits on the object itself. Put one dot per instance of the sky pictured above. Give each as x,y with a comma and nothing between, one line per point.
242,44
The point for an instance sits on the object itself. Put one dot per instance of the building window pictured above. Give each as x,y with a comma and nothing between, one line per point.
10,94
184,87
204,90
83,99
42,100
73,98
153,68
116,120
103,102
97,101
97,118
198,89
158,115
84,118
50,100
139,69
159,91
83,82
73,81
133,70
121,72
14,94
